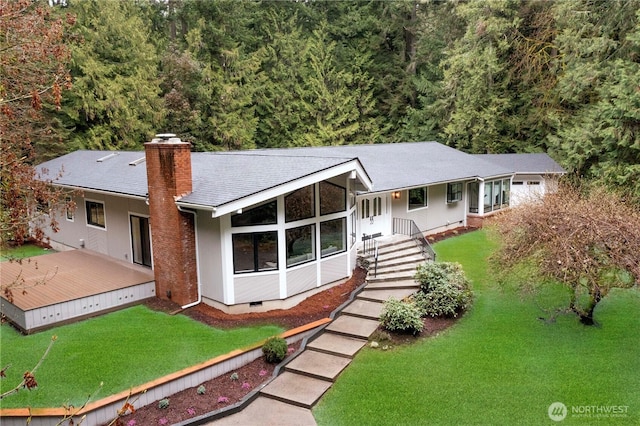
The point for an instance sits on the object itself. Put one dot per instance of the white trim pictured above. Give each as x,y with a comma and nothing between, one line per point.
426,206
129,214
104,213
67,199
100,191
285,188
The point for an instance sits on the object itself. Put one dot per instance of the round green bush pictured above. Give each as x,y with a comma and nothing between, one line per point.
275,349
401,316
444,290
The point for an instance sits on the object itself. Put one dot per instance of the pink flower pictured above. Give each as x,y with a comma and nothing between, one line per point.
246,385
263,373
131,422
163,421
191,411
291,350
223,400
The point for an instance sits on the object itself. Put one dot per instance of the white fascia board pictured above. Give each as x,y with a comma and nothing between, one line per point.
347,167
100,191
494,177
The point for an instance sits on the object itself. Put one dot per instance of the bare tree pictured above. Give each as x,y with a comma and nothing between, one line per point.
585,238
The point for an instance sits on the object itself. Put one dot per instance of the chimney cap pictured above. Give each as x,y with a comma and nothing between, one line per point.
165,136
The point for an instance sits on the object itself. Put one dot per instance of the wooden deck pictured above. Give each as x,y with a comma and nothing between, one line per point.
58,287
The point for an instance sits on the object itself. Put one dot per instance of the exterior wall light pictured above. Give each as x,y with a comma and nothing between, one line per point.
395,195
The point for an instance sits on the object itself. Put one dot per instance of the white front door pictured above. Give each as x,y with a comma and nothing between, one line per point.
373,215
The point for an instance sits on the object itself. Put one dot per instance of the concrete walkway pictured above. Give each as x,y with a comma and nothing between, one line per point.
288,399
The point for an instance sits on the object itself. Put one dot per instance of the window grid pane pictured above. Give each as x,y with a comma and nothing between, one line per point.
300,204
300,245
333,198
333,236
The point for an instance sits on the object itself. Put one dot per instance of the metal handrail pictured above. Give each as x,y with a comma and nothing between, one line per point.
370,244
408,227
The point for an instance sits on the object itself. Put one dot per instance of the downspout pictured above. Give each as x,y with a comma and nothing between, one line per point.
195,231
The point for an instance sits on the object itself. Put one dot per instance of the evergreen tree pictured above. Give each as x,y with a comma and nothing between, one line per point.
476,86
597,117
114,103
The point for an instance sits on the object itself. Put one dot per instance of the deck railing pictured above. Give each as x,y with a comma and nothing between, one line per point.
408,227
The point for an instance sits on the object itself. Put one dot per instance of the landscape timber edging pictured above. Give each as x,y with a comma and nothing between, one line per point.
106,409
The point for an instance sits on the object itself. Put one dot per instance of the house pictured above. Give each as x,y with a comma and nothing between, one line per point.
264,229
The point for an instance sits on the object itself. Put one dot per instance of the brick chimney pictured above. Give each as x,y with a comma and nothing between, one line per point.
168,161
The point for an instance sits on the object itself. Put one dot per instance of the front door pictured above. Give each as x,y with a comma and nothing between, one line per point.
373,215
140,241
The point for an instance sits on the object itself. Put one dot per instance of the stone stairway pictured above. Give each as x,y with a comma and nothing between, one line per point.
312,372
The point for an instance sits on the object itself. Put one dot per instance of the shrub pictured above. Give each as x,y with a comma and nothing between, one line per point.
433,274
275,349
444,289
201,390
163,403
234,377
400,315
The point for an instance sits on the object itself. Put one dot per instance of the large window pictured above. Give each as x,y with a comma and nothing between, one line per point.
95,214
474,194
454,192
418,198
300,244
333,236
300,204
333,198
265,214
253,252
496,195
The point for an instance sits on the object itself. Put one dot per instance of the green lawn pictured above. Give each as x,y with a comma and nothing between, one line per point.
121,349
27,250
499,364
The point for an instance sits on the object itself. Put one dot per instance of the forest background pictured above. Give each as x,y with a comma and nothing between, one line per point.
489,76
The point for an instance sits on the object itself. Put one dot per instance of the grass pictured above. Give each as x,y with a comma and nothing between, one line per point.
121,349
20,252
499,364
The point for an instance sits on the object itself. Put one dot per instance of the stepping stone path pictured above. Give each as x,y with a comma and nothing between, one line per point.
290,396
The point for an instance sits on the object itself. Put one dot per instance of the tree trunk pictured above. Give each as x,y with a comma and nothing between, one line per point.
586,315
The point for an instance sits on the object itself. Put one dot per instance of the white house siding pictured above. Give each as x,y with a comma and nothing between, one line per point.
334,268
438,215
527,187
210,256
256,287
114,240
301,278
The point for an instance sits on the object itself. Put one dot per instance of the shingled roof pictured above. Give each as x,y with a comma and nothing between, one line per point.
534,163
224,177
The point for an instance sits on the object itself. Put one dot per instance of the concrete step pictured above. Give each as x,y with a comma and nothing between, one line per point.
392,285
336,344
392,250
364,309
382,295
394,269
296,389
267,411
410,258
390,276
351,326
318,365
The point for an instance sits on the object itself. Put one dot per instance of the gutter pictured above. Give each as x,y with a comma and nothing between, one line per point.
195,225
